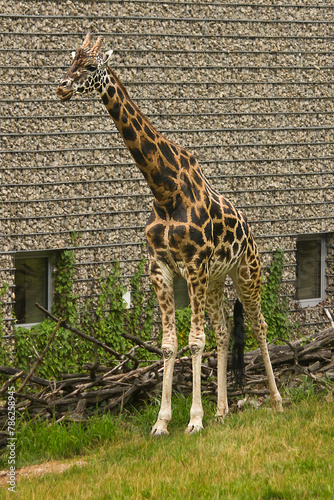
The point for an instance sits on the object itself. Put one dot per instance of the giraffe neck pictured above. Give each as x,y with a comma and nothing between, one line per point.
158,158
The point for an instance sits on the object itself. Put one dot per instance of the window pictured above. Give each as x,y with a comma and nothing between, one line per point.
181,296
127,299
310,258
33,283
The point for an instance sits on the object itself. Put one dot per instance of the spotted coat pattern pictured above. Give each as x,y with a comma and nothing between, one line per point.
193,231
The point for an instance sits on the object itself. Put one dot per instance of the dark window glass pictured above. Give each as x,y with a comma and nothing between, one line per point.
181,296
31,286
308,269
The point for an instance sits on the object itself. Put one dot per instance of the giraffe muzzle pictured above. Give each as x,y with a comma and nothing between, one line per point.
64,93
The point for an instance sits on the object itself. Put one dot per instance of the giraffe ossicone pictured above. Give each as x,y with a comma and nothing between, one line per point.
193,231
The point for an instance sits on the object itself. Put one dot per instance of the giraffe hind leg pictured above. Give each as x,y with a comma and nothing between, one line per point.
247,280
260,331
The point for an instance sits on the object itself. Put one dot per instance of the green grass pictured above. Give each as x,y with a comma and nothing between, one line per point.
253,455
39,441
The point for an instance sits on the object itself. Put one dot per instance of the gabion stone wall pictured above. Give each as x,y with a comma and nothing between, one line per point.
247,87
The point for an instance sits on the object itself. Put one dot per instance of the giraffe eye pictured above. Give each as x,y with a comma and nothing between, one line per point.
91,68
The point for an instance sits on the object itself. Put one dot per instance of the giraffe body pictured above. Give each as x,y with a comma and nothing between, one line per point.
193,231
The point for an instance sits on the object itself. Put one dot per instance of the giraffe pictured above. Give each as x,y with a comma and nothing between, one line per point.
193,232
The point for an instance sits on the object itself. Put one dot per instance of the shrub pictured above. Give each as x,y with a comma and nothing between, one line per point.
106,320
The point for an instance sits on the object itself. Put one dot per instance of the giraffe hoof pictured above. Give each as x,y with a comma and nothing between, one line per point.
156,432
277,406
193,429
219,418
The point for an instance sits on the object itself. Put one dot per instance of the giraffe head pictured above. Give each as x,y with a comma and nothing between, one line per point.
87,65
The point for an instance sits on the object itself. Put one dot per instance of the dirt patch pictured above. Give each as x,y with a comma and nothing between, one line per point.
51,467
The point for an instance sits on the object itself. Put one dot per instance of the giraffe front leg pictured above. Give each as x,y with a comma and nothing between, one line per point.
196,411
216,310
197,296
162,280
165,413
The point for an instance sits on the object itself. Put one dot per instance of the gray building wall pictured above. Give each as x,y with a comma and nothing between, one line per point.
247,87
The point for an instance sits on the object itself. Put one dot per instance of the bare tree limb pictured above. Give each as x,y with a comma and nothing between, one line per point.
8,370
84,335
10,381
141,343
329,316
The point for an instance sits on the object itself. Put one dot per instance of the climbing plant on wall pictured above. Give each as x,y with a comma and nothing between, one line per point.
104,318
275,307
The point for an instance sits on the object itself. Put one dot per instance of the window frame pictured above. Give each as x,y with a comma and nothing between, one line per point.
312,302
51,258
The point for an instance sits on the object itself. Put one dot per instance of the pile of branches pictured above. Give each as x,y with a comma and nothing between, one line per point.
109,389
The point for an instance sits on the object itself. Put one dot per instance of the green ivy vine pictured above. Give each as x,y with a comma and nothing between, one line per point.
275,308
105,318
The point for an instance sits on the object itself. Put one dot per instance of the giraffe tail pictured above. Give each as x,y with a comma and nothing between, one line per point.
238,336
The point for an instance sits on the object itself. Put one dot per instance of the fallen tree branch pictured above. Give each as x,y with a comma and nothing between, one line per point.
112,388
10,381
329,316
8,370
138,341
84,335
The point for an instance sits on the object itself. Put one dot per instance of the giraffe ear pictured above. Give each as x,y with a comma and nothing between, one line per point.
106,58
